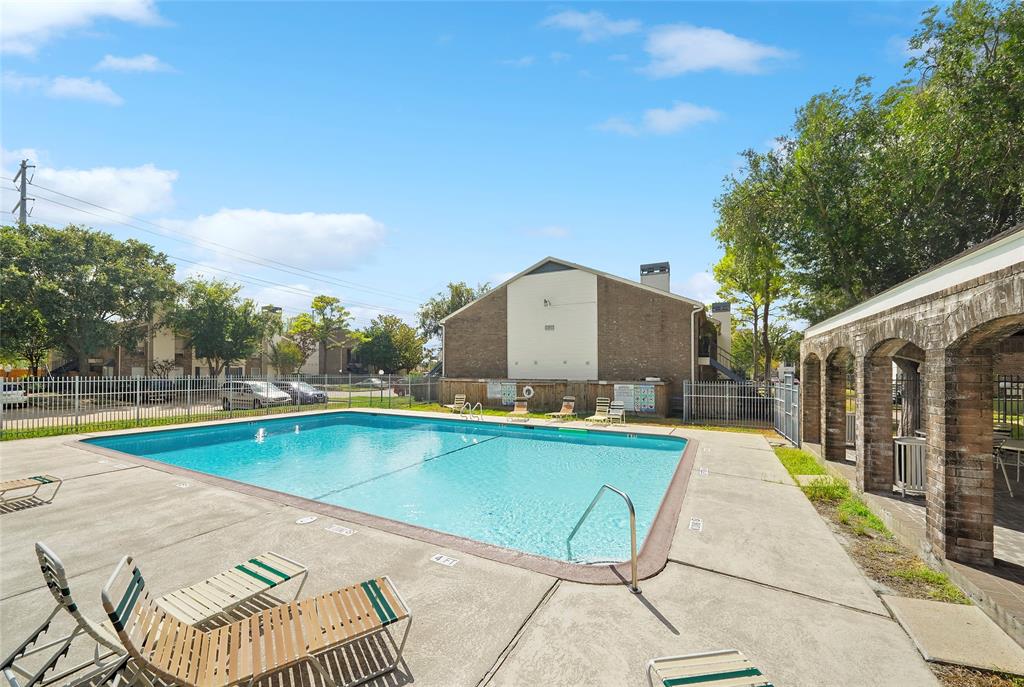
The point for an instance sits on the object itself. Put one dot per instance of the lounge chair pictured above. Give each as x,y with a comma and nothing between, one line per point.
568,409
617,413
459,405
244,651
108,655
520,412
196,604
19,486
600,410
712,668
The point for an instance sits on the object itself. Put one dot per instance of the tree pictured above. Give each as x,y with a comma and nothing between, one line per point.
751,217
220,326
391,345
162,368
285,357
457,295
325,326
89,289
25,337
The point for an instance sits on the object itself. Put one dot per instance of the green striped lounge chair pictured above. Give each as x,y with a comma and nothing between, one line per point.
727,668
268,642
19,487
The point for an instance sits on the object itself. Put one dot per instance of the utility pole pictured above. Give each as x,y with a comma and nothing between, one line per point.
22,207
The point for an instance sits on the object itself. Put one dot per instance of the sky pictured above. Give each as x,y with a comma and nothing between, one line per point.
376,152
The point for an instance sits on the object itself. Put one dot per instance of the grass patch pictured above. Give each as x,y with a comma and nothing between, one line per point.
941,589
827,489
799,462
855,513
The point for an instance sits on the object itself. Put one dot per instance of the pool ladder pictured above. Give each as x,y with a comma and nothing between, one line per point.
633,587
476,411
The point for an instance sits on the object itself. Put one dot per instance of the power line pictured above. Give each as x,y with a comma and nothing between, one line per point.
234,252
297,290
275,286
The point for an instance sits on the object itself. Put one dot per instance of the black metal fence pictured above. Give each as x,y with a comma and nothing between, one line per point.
1008,403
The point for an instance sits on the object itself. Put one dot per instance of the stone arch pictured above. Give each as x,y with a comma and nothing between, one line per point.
810,402
833,403
961,471
874,410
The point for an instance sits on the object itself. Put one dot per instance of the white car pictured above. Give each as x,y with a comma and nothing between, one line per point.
13,394
251,395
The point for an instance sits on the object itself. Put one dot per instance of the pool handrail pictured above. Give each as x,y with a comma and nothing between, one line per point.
633,587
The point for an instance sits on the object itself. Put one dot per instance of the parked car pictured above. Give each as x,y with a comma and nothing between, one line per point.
251,395
149,390
302,393
373,383
14,394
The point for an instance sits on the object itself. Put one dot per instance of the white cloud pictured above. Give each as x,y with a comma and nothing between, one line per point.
312,240
618,57
557,57
141,190
83,88
551,232
700,286
678,117
680,48
26,25
661,121
591,26
139,63
63,87
524,61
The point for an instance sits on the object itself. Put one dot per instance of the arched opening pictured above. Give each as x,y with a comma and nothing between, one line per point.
810,399
834,399
884,406
960,429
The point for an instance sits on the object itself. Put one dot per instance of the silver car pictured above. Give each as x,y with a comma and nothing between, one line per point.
251,395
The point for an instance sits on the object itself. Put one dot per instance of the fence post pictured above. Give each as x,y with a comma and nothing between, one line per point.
138,399
389,391
350,390
188,397
77,401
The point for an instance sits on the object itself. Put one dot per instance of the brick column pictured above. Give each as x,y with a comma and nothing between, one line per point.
874,423
833,409
810,401
961,477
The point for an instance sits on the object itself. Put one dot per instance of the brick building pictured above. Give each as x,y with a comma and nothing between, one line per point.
557,320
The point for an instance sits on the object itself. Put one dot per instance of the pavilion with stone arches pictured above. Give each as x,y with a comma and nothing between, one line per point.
955,326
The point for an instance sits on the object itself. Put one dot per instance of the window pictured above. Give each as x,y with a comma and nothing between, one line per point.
549,327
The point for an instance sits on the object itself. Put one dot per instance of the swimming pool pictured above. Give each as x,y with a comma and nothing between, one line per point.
516,487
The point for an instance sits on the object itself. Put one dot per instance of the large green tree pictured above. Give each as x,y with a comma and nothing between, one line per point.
222,327
391,345
81,290
455,296
325,326
878,184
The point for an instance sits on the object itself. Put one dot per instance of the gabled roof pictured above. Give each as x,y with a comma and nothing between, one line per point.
573,266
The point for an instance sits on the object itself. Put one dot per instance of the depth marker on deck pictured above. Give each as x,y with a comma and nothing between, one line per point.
696,524
444,560
340,529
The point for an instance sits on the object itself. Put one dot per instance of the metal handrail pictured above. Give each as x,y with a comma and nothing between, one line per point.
633,587
472,414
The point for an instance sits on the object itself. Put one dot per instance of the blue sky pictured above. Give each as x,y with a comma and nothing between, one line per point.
390,148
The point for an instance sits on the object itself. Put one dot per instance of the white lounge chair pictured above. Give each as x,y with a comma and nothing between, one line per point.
567,411
617,413
459,405
713,668
601,407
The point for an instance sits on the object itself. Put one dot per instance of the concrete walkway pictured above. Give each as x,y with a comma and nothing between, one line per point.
763,574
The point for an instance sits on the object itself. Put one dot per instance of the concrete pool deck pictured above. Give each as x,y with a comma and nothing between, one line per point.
763,574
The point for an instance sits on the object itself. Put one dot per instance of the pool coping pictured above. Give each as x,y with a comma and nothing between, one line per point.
651,559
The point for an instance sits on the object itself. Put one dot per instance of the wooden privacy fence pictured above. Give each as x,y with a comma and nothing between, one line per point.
547,394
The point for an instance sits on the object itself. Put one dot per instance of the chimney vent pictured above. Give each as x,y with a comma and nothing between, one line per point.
655,274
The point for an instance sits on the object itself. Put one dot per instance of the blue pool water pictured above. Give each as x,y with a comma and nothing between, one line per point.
511,486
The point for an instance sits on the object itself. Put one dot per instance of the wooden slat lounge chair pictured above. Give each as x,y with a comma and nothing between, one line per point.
19,486
567,411
601,406
520,411
458,405
266,643
222,593
727,668
617,413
